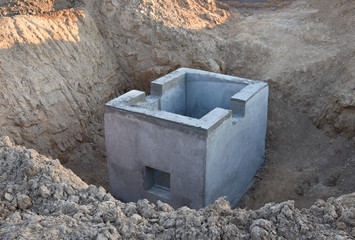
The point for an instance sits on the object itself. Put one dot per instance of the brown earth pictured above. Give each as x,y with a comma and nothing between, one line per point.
60,61
269,4
40,199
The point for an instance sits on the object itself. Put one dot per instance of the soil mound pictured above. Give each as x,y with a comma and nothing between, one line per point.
35,7
191,14
40,199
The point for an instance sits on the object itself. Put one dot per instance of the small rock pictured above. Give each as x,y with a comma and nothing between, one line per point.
258,233
145,209
287,212
15,217
260,229
266,224
23,202
164,207
101,193
130,209
229,231
135,218
353,232
74,199
211,17
101,236
339,237
110,216
341,225
221,205
44,191
348,217
8,197
69,208
169,223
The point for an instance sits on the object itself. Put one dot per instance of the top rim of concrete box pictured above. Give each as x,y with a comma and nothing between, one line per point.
194,98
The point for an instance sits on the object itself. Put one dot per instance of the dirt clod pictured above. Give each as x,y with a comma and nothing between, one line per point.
77,210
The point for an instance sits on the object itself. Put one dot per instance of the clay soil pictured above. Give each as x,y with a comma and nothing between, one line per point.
62,60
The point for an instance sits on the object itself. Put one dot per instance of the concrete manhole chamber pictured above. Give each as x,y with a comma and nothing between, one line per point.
197,136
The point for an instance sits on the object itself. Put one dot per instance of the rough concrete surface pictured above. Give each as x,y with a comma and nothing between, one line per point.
205,130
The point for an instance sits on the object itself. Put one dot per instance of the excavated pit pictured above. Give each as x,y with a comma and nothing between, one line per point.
55,106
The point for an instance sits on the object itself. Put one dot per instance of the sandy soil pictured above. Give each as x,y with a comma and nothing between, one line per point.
60,65
302,163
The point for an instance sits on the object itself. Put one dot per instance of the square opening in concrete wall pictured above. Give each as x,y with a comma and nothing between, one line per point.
206,131
157,182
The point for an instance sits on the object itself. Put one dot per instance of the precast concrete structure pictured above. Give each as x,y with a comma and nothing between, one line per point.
197,136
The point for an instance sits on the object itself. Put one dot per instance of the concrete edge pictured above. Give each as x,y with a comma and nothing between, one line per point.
132,101
227,78
161,116
239,99
216,117
165,83
131,97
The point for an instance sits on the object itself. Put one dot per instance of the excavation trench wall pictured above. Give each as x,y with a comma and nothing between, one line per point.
63,69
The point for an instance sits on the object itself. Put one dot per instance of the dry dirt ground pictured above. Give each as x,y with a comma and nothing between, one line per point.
60,61
40,199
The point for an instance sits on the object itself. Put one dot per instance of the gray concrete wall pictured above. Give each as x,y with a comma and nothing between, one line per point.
235,151
134,141
194,94
214,153
172,93
204,93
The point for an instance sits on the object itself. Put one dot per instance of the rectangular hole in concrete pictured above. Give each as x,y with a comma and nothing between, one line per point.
157,182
